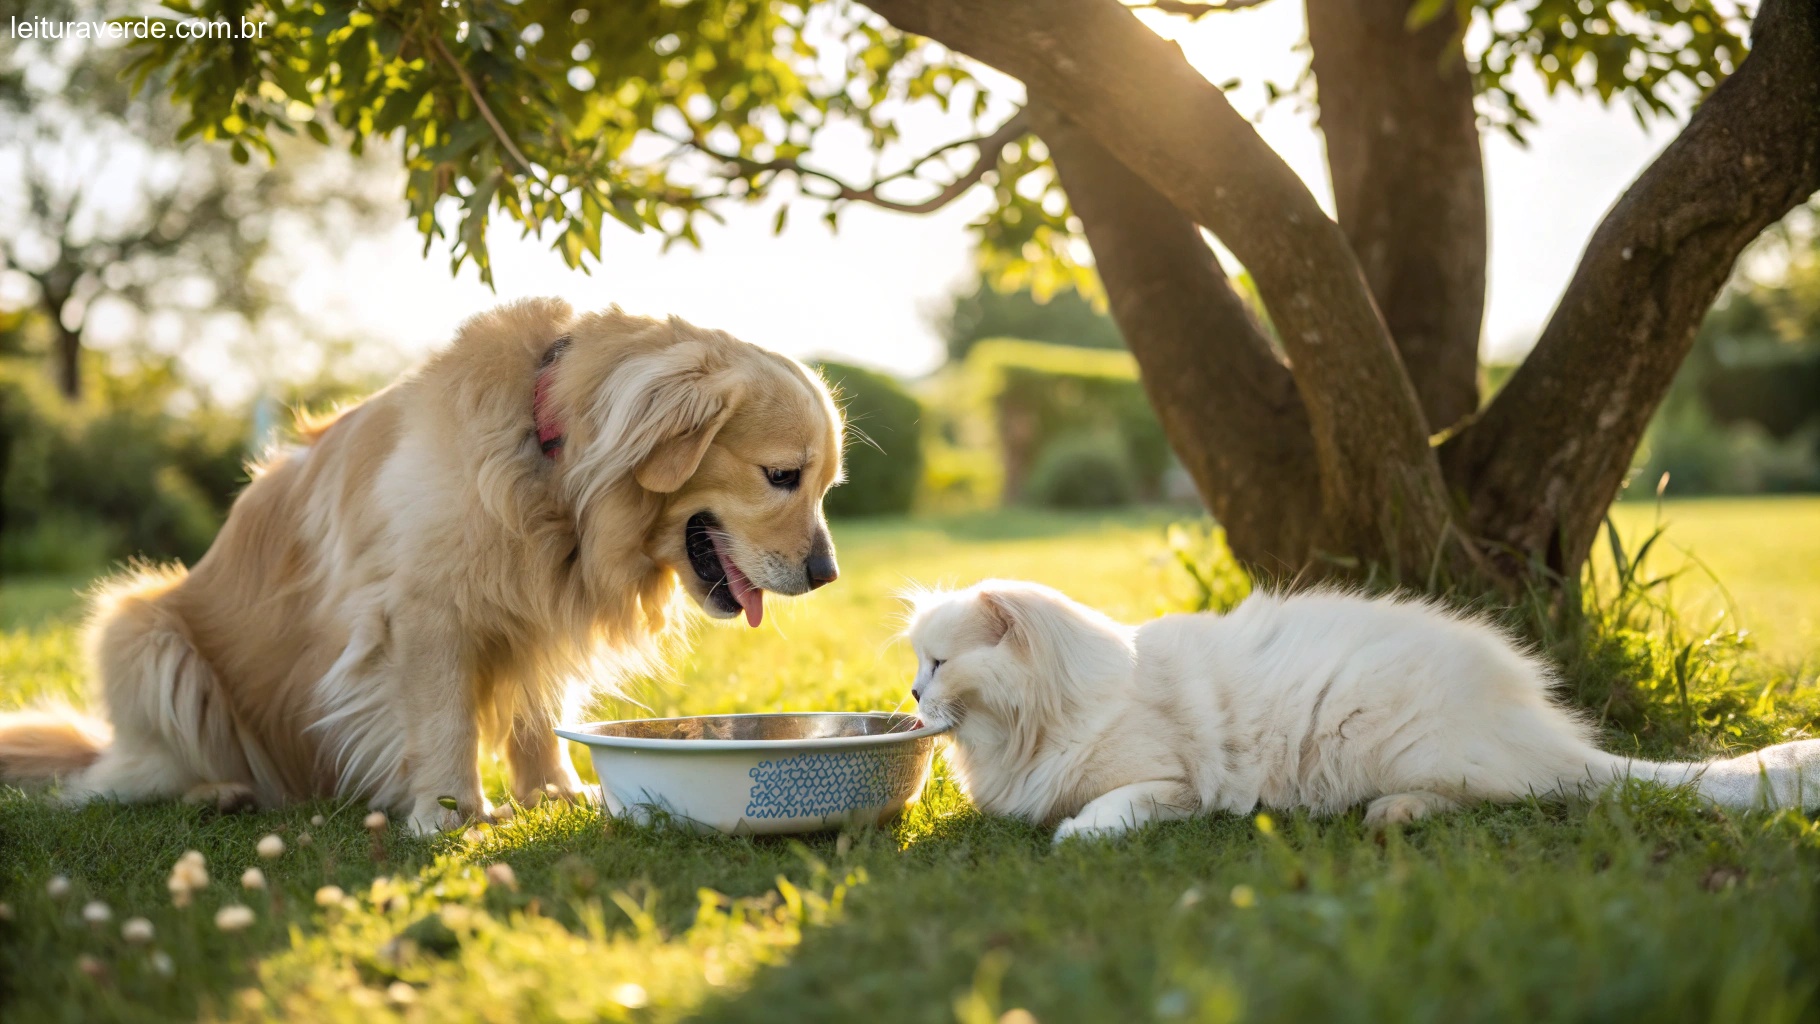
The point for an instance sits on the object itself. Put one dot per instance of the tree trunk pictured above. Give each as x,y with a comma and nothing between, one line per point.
1545,460
1227,404
1396,110
1535,472
66,354
1382,496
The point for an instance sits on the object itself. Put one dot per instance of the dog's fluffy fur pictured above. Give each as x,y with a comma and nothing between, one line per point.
417,578
1319,701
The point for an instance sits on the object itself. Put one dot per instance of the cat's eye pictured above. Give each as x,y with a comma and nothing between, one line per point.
934,663
784,478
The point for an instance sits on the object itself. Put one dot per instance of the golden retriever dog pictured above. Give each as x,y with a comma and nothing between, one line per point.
439,566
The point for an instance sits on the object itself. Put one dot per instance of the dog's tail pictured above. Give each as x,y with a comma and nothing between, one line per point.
40,744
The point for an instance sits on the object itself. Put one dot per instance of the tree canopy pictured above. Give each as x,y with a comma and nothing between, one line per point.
652,113
99,205
1348,436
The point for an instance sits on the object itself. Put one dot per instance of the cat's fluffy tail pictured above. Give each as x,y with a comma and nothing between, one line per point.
1786,775
40,744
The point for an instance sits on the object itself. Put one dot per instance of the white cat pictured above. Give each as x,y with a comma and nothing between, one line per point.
1316,700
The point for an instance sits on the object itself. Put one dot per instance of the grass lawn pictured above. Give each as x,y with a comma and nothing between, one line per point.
1757,560
1642,905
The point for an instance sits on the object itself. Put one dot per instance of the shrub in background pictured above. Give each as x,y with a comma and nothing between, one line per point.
882,475
1088,470
118,476
1042,394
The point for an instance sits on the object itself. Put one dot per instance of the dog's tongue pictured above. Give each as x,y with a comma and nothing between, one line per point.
749,597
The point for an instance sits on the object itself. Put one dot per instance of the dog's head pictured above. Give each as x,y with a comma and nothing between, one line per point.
736,445
1015,653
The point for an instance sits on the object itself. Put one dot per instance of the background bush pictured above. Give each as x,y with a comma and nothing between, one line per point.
1082,471
1043,395
882,476
116,476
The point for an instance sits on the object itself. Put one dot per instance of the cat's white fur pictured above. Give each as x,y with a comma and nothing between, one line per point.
1317,700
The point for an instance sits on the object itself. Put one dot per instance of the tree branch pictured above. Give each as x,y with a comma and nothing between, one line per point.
1139,98
1544,461
1227,404
1195,10
989,145
1409,184
480,103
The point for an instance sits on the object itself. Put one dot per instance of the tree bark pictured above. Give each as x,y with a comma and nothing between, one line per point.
1227,404
67,354
1382,495
1545,460
1396,110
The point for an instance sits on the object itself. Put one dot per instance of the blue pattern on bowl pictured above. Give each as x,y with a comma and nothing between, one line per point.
816,784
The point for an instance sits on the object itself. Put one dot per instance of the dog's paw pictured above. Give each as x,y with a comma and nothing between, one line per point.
569,792
225,797
429,816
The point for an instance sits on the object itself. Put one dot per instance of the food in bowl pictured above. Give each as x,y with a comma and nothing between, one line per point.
761,774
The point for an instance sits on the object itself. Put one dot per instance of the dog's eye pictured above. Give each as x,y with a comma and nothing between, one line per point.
785,478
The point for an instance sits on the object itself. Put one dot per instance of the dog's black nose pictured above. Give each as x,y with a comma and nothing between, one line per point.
821,569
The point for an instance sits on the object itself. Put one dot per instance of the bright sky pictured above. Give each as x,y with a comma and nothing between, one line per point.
866,293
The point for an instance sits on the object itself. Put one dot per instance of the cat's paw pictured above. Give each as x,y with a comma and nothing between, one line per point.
1403,808
1086,829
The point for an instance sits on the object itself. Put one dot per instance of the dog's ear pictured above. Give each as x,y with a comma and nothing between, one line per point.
672,462
654,418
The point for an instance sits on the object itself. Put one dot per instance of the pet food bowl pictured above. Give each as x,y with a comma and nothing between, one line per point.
761,774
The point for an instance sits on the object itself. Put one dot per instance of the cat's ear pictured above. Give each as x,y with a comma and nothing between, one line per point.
1000,611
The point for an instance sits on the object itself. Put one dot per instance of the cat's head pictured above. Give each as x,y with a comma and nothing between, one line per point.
1013,652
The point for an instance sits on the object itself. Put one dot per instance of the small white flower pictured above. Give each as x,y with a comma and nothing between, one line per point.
234,918
330,896
401,993
629,994
501,873
96,912
188,875
136,930
161,963
58,887
318,820
374,822
252,878
271,847
303,839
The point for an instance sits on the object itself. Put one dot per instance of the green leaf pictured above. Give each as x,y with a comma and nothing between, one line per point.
1424,11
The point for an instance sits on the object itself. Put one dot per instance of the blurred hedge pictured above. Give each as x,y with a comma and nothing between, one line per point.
1084,402
1082,471
117,476
884,446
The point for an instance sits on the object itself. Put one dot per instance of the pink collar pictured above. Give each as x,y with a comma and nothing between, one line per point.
549,428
